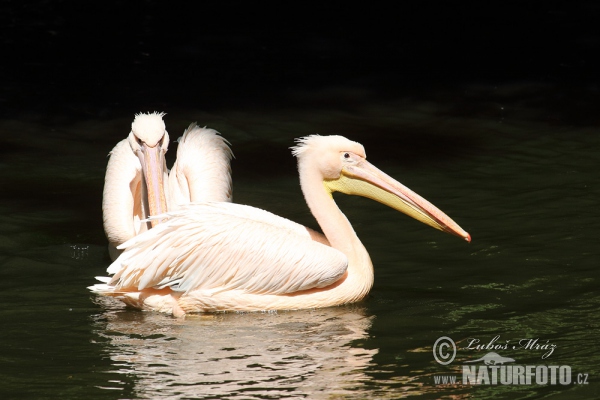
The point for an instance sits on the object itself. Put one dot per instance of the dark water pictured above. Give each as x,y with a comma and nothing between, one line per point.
520,177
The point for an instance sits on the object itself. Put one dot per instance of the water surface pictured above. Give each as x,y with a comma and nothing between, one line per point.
501,161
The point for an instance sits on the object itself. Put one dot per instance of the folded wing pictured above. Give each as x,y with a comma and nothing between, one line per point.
223,246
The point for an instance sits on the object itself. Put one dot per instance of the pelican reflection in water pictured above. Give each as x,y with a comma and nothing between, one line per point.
208,257
302,354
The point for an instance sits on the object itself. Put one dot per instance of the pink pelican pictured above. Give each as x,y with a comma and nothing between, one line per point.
138,184
210,257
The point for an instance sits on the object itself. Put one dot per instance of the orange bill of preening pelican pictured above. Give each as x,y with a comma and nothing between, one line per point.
208,257
153,164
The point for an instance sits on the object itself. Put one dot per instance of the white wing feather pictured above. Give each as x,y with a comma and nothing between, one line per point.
224,246
202,171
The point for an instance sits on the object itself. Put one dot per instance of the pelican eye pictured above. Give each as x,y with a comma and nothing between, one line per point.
346,155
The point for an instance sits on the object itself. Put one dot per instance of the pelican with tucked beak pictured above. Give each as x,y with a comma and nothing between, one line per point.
209,257
138,184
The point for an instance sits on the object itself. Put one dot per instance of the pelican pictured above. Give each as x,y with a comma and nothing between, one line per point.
210,257
138,184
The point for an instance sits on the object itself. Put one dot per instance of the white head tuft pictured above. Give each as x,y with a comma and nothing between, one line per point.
323,154
330,143
149,128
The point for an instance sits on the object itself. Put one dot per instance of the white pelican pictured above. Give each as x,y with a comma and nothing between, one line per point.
138,184
210,257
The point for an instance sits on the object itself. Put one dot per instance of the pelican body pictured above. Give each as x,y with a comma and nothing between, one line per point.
210,257
138,184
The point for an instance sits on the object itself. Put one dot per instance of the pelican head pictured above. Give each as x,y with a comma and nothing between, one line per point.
342,166
149,129
149,141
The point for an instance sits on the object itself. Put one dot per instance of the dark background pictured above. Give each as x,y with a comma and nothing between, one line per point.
114,58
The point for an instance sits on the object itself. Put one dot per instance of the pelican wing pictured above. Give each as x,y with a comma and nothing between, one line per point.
121,213
202,171
224,246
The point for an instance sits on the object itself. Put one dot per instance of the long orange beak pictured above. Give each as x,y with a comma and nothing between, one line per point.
364,179
153,162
